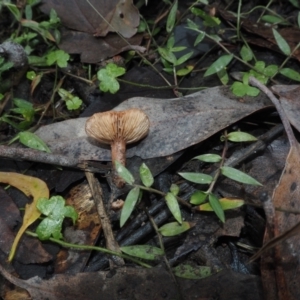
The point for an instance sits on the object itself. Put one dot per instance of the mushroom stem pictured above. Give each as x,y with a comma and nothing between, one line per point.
118,150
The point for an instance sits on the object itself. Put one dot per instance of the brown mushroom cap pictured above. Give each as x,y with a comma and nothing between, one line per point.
129,125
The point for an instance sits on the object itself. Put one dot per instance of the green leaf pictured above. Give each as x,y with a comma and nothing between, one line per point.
226,204
107,78
129,205
192,25
31,140
246,53
146,175
167,54
274,20
14,10
143,251
124,173
260,66
24,108
183,58
290,73
74,103
239,136
240,89
172,17
208,20
185,71
30,75
239,176
173,206
58,57
210,158
174,228
199,38
216,206
271,70
192,272
198,197
197,177
219,64
55,210
281,43
174,189
223,76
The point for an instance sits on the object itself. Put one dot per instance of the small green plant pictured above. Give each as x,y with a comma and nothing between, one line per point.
107,78
55,211
58,57
214,203
72,102
205,200
21,116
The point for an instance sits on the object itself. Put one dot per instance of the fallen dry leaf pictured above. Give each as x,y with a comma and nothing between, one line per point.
30,186
96,17
30,250
84,26
175,124
289,98
281,274
130,283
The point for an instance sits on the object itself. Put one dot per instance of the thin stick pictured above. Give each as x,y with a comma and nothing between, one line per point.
287,126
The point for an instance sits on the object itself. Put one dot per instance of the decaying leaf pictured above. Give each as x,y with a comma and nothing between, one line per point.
175,124
289,98
86,20
30,250
130,283
97,17
30,186
280,279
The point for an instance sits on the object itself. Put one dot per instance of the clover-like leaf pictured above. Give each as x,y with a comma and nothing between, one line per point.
58,57
107,78
56,211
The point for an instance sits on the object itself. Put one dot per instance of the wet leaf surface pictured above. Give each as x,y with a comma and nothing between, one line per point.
175,124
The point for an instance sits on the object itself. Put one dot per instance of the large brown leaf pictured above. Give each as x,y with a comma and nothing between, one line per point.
140,284
84,17
175,124
97,17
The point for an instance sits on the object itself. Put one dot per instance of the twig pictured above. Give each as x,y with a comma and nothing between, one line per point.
96,189
281,112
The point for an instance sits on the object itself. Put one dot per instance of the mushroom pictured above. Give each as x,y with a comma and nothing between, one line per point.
118,128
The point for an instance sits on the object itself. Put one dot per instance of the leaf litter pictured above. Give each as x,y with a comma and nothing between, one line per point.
175,124
90,27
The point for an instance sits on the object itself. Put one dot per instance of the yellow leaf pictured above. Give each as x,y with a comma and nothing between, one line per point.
30,186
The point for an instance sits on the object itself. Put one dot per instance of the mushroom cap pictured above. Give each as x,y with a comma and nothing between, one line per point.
129,125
